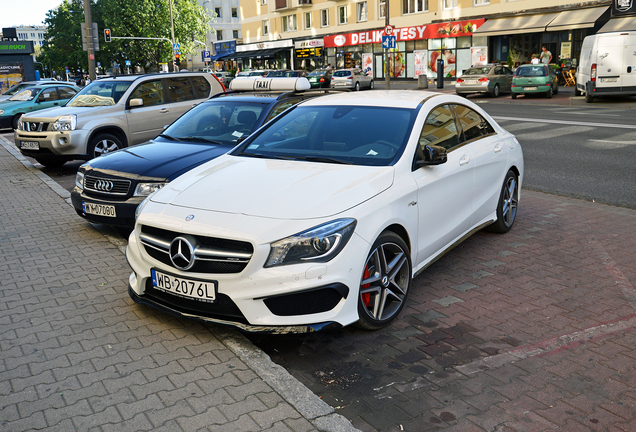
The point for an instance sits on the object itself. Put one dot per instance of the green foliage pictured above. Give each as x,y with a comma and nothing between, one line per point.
125,18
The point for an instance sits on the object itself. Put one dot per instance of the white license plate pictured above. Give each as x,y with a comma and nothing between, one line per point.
99,209
529,88
204,291
29,145
471,82
608,79
342,84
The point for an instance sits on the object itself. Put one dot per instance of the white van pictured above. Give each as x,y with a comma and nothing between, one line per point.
607,65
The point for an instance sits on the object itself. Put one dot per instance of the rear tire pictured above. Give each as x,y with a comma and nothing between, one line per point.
495,91
513,95
549,93
556,90
507,205
588,96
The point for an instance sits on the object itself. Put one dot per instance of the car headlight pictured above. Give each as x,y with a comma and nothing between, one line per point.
145,189
1,112
79,180
317,244
65,123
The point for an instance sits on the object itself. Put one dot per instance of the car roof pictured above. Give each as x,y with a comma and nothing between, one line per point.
150,75
265,97
381,98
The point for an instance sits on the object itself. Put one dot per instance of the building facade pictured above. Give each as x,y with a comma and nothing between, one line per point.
348,33
227,29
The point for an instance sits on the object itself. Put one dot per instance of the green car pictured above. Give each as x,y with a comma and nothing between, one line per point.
34,98
534,78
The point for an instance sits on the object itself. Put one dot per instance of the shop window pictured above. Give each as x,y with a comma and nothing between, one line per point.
414,6
307,20
361,9
265,27
235,34
342,14
234,12
382,8
481,2
450,4
217,11
289,23
324,18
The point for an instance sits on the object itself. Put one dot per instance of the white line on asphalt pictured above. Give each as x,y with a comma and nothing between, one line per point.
565,122
614,142
587,113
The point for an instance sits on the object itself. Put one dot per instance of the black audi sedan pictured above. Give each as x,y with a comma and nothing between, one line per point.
109,188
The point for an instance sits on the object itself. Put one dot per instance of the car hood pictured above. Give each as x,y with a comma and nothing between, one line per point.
156,160
55,112
276,189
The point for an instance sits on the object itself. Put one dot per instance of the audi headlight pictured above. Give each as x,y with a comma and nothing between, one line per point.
79,180
65,123
317,244
145,189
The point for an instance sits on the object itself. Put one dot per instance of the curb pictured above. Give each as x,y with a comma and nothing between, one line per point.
310,406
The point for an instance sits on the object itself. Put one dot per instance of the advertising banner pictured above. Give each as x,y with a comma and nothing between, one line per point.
420,59
367,63
478,56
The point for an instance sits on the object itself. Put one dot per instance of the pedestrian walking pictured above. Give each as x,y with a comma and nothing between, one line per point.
546,56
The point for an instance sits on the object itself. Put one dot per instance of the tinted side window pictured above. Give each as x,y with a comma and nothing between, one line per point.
440,129
282,107
49,94
473,124
201,87
151,92
66,92
179,89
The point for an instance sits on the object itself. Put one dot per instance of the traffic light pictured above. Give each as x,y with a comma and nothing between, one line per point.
107,35
177,59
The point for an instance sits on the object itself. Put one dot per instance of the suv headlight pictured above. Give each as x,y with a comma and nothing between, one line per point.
79,180
317,244
65,123
145,189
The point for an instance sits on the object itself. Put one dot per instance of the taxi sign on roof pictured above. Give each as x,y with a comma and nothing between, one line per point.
270,84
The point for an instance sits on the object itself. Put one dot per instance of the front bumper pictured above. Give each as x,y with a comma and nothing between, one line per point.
124,209
70,144
5,122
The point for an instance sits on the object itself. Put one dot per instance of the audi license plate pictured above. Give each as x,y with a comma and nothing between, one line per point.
98,209
529,88
204,291
29,145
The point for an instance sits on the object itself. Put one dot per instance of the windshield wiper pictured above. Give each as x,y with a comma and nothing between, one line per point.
171,138
195,138
323,159
264,156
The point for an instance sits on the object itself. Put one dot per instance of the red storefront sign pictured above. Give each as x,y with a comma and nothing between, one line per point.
403,34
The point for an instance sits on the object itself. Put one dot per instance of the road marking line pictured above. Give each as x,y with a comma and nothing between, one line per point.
569,123
587,113
613,142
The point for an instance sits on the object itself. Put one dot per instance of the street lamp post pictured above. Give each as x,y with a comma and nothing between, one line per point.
387,79
89,39
171,66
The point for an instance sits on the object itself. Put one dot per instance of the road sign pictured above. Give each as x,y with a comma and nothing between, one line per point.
176,47
127,62
388,30
206,56
389,42
99,64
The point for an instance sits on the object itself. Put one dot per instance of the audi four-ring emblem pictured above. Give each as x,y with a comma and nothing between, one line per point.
104,185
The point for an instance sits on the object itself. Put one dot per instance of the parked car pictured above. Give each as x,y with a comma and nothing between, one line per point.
490,79
16,88
351,78
607,65
287,74
109,188
320,78
36,98
322,217
224,78
110,114
252,74
534,78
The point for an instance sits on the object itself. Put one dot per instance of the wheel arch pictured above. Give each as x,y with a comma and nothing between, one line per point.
401,232
113,130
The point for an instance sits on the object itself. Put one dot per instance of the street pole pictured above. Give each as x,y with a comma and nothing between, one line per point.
171,65
387,79
89,39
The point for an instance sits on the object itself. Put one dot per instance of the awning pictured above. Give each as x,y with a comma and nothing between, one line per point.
218,56
576,19
619,25
515,25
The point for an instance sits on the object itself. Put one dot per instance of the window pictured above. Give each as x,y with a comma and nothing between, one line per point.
440,129
450,4
481,2
289,23
48,95
307,20
324,18
382,8
180,89
201,87
263,2
413,6
473,124
235,34
361,9
265,27
234,12
66,92
151,92
219,35
217,11
342,14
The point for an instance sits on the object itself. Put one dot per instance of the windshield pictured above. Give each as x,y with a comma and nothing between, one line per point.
530,71
219,121
342,73
100,93
25,94
317,73
16,88
478,71
356,135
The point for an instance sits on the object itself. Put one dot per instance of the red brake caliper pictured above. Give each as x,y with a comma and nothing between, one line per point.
366,298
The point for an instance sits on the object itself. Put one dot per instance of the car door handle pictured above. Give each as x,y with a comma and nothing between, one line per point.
498,148
164,110
465,160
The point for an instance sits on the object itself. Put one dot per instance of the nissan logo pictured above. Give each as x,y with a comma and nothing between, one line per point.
104,185
182,253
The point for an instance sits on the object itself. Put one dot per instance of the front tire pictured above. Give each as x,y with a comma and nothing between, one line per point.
385,282
102,144
15,120
357,87
507,205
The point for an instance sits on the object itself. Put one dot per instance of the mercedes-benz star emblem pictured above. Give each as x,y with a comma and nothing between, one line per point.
104,185
182,253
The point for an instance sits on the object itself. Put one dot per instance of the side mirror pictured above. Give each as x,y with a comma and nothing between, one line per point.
136,102
431,155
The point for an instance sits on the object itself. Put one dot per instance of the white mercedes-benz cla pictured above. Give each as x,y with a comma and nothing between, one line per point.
322,217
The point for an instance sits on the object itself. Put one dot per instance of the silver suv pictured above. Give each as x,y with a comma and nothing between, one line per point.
110,114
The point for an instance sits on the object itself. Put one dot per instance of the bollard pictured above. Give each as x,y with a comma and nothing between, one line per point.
422,81
440,73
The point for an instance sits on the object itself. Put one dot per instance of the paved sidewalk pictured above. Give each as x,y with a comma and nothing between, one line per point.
76,354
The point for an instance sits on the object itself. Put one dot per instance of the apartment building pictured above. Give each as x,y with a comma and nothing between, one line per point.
307,34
